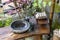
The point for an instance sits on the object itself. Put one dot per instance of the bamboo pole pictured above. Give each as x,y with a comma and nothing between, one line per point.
52,12
51,16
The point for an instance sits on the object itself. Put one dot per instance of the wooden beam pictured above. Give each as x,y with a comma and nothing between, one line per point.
52,12
38,37
51,17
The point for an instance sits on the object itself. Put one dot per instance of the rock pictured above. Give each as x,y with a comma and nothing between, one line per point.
57,32
55,38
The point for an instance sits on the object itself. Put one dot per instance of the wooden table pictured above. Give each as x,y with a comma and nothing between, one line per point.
7,34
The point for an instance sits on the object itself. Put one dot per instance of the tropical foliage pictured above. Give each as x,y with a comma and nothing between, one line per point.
55,24
6,22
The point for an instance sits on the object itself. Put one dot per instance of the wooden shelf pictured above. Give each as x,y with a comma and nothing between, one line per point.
44,29
42,21
38,31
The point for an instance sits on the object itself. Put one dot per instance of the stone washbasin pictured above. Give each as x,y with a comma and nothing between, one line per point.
20,26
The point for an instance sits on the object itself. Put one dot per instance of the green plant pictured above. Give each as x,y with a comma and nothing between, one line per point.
2,23
37,5
57,8
8,21
55,25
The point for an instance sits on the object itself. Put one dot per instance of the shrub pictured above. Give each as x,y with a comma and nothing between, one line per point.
55,25
2,23
8,21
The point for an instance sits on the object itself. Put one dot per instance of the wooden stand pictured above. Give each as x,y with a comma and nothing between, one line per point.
7,30
40,30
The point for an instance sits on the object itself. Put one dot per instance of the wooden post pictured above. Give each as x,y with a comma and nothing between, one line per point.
52,12
51,16
38,37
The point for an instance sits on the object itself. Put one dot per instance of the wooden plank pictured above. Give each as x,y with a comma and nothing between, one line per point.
44,29
7,30
38,37
43,22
